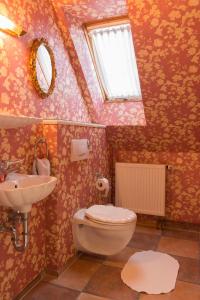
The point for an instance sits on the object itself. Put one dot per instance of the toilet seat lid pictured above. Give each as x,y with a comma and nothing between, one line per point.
110,214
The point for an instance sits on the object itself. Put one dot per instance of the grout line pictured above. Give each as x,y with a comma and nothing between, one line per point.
84,289
177,280
77,256
61,286
68,265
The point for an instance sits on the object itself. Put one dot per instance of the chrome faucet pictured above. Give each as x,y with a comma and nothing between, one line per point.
8,166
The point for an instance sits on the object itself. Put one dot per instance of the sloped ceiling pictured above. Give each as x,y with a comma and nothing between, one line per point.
167,48
71,16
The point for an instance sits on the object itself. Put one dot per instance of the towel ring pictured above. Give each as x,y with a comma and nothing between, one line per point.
41,141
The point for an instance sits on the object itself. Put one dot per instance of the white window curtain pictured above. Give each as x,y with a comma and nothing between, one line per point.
115,58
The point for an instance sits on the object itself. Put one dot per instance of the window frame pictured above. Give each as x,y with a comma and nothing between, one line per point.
101,24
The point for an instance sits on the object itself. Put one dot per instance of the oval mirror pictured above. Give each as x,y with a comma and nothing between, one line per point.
43,67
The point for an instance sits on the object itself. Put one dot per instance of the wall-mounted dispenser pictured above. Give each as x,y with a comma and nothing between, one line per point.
79,149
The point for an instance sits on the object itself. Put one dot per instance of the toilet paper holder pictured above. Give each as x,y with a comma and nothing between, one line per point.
102,184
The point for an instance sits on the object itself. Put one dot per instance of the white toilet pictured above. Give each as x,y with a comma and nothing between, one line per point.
103,229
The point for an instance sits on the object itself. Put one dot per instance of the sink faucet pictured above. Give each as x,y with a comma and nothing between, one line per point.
8,166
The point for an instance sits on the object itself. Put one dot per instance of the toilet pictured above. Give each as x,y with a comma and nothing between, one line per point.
103,229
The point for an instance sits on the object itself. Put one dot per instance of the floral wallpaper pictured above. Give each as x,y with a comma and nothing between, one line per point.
72,15
75,188
182,189
18,269
182,186
166,35
166,42
174,146
18,95
51,242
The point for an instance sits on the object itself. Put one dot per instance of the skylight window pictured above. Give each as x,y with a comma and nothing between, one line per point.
114,58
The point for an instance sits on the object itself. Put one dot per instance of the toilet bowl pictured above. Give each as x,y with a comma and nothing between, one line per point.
103,229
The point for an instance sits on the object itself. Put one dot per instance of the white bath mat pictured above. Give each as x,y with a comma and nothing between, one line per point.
150,272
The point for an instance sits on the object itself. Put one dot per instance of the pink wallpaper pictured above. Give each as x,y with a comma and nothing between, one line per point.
174,146
18,95
182,187
75,188
18,269
50,244
167,43
50,220
76,13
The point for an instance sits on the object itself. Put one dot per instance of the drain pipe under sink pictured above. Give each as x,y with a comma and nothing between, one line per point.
20,218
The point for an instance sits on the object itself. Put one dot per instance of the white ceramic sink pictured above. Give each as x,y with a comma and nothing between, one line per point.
20,191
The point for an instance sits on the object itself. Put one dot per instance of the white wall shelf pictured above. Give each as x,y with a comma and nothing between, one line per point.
71,123
8,121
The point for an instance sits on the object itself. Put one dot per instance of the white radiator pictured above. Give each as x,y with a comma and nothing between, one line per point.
140,187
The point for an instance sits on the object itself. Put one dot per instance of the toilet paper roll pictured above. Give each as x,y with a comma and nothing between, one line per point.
102,184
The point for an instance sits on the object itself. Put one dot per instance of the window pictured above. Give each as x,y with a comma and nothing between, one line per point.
113,54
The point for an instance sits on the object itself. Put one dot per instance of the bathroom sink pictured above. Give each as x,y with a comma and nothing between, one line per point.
20,191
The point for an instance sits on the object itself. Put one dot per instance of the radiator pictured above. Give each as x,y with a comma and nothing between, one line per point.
140,187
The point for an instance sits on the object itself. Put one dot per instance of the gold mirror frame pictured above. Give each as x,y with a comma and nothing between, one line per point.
36,44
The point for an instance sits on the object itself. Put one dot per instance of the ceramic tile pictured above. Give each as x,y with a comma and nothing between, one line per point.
121,258
98,277
186,248
182,226
189,269
93,257
77,276
150,230
107,283
85,296
44,291
180,234
183,291
144,241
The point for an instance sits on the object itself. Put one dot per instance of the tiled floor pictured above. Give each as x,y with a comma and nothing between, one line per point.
98,278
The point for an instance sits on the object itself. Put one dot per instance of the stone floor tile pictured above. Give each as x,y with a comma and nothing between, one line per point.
179,247
189,269
150,230
182,234
77,276
120,259
183,291
144,241
85,296
93,257
107,282
44,291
